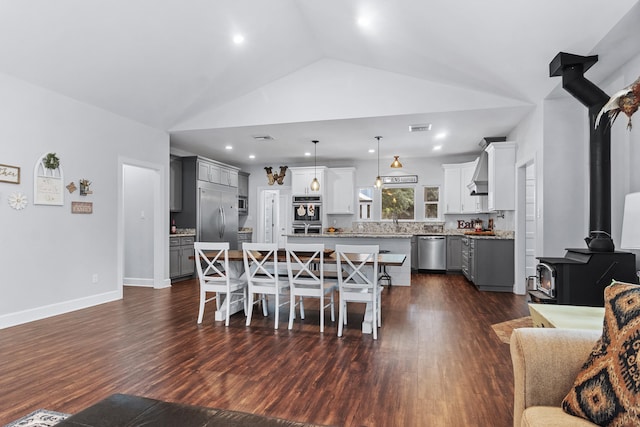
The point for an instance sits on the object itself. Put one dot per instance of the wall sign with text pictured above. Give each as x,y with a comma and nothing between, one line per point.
403,179
10,174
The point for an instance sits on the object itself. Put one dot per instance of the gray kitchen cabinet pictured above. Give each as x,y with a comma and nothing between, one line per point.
175,184
464,255
217,173
180,249
243,184
454,253
490,264
414,253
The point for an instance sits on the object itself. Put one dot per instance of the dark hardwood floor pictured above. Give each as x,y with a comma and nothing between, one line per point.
437,361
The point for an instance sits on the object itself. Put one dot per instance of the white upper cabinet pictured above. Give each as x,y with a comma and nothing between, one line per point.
340,190
452,184
502,176
457,197
301,180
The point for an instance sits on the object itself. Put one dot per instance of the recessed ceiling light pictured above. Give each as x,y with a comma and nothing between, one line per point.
238,39
252,156
228,147
440,135
371,150
363,21
437,147
307,153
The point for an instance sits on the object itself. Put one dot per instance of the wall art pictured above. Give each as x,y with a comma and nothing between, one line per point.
10,174
82,207
48,181
18,201
84,187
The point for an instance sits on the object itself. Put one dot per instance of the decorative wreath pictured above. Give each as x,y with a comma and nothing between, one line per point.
51,161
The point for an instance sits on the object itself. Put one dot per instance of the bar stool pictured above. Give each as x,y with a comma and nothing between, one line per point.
383,276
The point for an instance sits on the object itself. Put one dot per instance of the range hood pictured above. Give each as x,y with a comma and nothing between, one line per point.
479,185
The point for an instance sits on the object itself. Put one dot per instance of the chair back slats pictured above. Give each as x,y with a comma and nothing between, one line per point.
357,261
261,263
212,260
304,264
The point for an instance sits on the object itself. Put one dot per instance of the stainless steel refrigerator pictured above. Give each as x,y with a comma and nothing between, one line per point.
217,214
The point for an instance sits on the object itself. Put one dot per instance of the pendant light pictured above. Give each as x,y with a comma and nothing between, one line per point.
315,184
396,163
378,183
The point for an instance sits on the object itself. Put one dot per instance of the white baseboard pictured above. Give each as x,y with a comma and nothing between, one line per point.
146,283
30,315
135,281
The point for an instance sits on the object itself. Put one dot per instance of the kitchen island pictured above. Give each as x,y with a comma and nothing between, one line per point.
394,243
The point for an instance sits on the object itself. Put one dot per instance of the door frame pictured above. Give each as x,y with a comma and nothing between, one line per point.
520,246
160,219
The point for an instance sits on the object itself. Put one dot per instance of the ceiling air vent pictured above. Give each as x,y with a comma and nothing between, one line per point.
263,137
419,128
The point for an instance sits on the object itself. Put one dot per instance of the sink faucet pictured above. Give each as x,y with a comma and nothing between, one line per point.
306,227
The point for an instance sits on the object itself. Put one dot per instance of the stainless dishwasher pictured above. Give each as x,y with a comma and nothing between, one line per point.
432,253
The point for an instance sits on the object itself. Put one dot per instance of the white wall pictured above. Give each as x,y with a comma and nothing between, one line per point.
48,255
565,180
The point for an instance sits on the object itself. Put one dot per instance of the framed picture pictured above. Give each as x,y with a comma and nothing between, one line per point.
10,174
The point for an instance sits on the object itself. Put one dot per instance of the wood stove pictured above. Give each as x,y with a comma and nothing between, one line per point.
581,276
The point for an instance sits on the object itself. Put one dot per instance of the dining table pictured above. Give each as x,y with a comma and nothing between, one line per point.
236,260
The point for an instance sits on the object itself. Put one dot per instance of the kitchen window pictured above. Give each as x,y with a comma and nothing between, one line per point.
365,203
431,202
398,203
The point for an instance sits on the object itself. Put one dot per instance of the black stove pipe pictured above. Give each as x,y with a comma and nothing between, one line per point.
572,69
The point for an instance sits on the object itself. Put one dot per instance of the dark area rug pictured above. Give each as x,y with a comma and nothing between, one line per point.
39,418
503,330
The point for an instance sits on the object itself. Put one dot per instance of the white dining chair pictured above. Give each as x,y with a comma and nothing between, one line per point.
212,263
263,277
305,267
359,263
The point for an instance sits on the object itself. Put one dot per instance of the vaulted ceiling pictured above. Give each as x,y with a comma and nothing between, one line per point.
339,71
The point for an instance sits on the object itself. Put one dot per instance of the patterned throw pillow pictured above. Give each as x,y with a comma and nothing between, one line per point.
607,389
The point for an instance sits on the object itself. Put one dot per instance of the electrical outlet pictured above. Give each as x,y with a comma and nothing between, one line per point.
94,278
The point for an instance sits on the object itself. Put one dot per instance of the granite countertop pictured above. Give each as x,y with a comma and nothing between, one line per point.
500,235
186,234
351,235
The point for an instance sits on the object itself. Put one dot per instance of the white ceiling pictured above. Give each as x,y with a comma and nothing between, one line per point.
306,69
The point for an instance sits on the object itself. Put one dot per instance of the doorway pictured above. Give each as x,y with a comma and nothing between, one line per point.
526,226
273,216
142,236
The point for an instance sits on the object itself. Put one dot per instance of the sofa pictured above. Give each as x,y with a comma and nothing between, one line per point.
546,362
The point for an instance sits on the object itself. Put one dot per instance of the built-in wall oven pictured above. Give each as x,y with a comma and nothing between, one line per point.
307,214
312,229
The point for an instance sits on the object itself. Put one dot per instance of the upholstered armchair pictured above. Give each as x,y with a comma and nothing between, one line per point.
546,362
